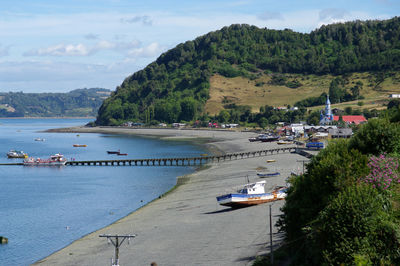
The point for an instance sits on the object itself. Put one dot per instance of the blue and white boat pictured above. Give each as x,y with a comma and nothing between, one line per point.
252,194
268,174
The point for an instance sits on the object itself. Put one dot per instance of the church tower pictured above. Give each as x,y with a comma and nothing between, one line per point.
327,116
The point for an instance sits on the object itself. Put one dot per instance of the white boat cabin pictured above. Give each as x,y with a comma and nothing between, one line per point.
254,188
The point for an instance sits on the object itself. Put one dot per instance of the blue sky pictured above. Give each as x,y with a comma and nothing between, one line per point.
58,46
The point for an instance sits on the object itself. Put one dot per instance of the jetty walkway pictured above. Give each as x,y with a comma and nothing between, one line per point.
184,161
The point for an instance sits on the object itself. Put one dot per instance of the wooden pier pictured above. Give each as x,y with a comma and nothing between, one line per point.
186,161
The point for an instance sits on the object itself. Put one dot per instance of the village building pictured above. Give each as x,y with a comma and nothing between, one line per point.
351,119
340,132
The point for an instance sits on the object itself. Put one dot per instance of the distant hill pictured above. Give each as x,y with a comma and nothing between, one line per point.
76,103
180,84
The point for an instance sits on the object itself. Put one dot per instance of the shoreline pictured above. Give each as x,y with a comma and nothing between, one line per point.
195,237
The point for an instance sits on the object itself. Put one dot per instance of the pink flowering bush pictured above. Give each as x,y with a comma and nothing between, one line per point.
383,172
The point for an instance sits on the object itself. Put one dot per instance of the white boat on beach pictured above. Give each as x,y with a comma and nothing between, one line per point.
54,160
252,194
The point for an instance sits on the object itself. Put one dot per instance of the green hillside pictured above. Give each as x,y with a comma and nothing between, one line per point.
178,85
76,103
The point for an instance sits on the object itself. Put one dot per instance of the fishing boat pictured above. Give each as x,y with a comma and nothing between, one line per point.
252,194
268,174
113,152
79,145
16,154
269,138
282,142
56,160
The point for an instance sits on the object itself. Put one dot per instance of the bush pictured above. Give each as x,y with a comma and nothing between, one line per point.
376,137
355,225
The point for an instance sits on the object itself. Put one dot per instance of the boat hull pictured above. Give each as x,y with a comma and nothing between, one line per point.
268,174
54,160
44,163
238,200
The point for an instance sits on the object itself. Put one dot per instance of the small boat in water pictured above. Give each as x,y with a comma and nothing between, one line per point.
16,154
271,161
123,154
268,174
113,152
79,145
56,160
252,194
39,139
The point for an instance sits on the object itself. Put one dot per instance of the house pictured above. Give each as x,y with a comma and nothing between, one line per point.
351,119
340,132
320,129
178,124
229,125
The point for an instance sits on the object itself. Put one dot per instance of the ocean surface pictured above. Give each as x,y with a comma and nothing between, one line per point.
43,209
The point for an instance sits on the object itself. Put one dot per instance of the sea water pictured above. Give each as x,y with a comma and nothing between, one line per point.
43,209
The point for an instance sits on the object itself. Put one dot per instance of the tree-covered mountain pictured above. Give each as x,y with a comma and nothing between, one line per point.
176,86
77,103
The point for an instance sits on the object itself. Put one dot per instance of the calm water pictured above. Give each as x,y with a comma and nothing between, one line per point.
43,209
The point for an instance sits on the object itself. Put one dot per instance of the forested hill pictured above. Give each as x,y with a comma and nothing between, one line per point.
76,103
176,86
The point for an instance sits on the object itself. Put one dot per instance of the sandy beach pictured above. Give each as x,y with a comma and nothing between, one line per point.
187,226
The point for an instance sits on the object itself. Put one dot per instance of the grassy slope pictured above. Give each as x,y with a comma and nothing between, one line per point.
243,91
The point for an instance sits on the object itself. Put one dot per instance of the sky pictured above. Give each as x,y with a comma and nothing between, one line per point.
59,46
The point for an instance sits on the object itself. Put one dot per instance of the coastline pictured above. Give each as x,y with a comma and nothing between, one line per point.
186,225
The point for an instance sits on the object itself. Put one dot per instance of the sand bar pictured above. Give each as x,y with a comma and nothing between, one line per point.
187,226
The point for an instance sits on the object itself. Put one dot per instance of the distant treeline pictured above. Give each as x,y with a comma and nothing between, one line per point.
176,86
78,103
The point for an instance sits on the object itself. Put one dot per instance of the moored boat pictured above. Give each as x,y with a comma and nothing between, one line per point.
56,160
268,174
269,138
79,145
16,154
252,194
282,142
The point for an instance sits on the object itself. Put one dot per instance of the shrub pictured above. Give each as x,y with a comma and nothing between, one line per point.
355,226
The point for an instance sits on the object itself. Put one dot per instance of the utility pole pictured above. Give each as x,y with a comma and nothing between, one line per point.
117,243
303,161
270,236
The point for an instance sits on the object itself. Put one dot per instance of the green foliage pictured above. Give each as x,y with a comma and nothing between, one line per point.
337,213
357,225
376,137
80,102
328,173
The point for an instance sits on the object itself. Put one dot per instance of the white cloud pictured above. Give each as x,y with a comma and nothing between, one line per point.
60,50
84,50
152,50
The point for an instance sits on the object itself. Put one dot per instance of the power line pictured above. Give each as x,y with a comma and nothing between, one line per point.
117,242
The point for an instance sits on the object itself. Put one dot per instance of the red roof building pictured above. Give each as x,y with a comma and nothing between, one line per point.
351,119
